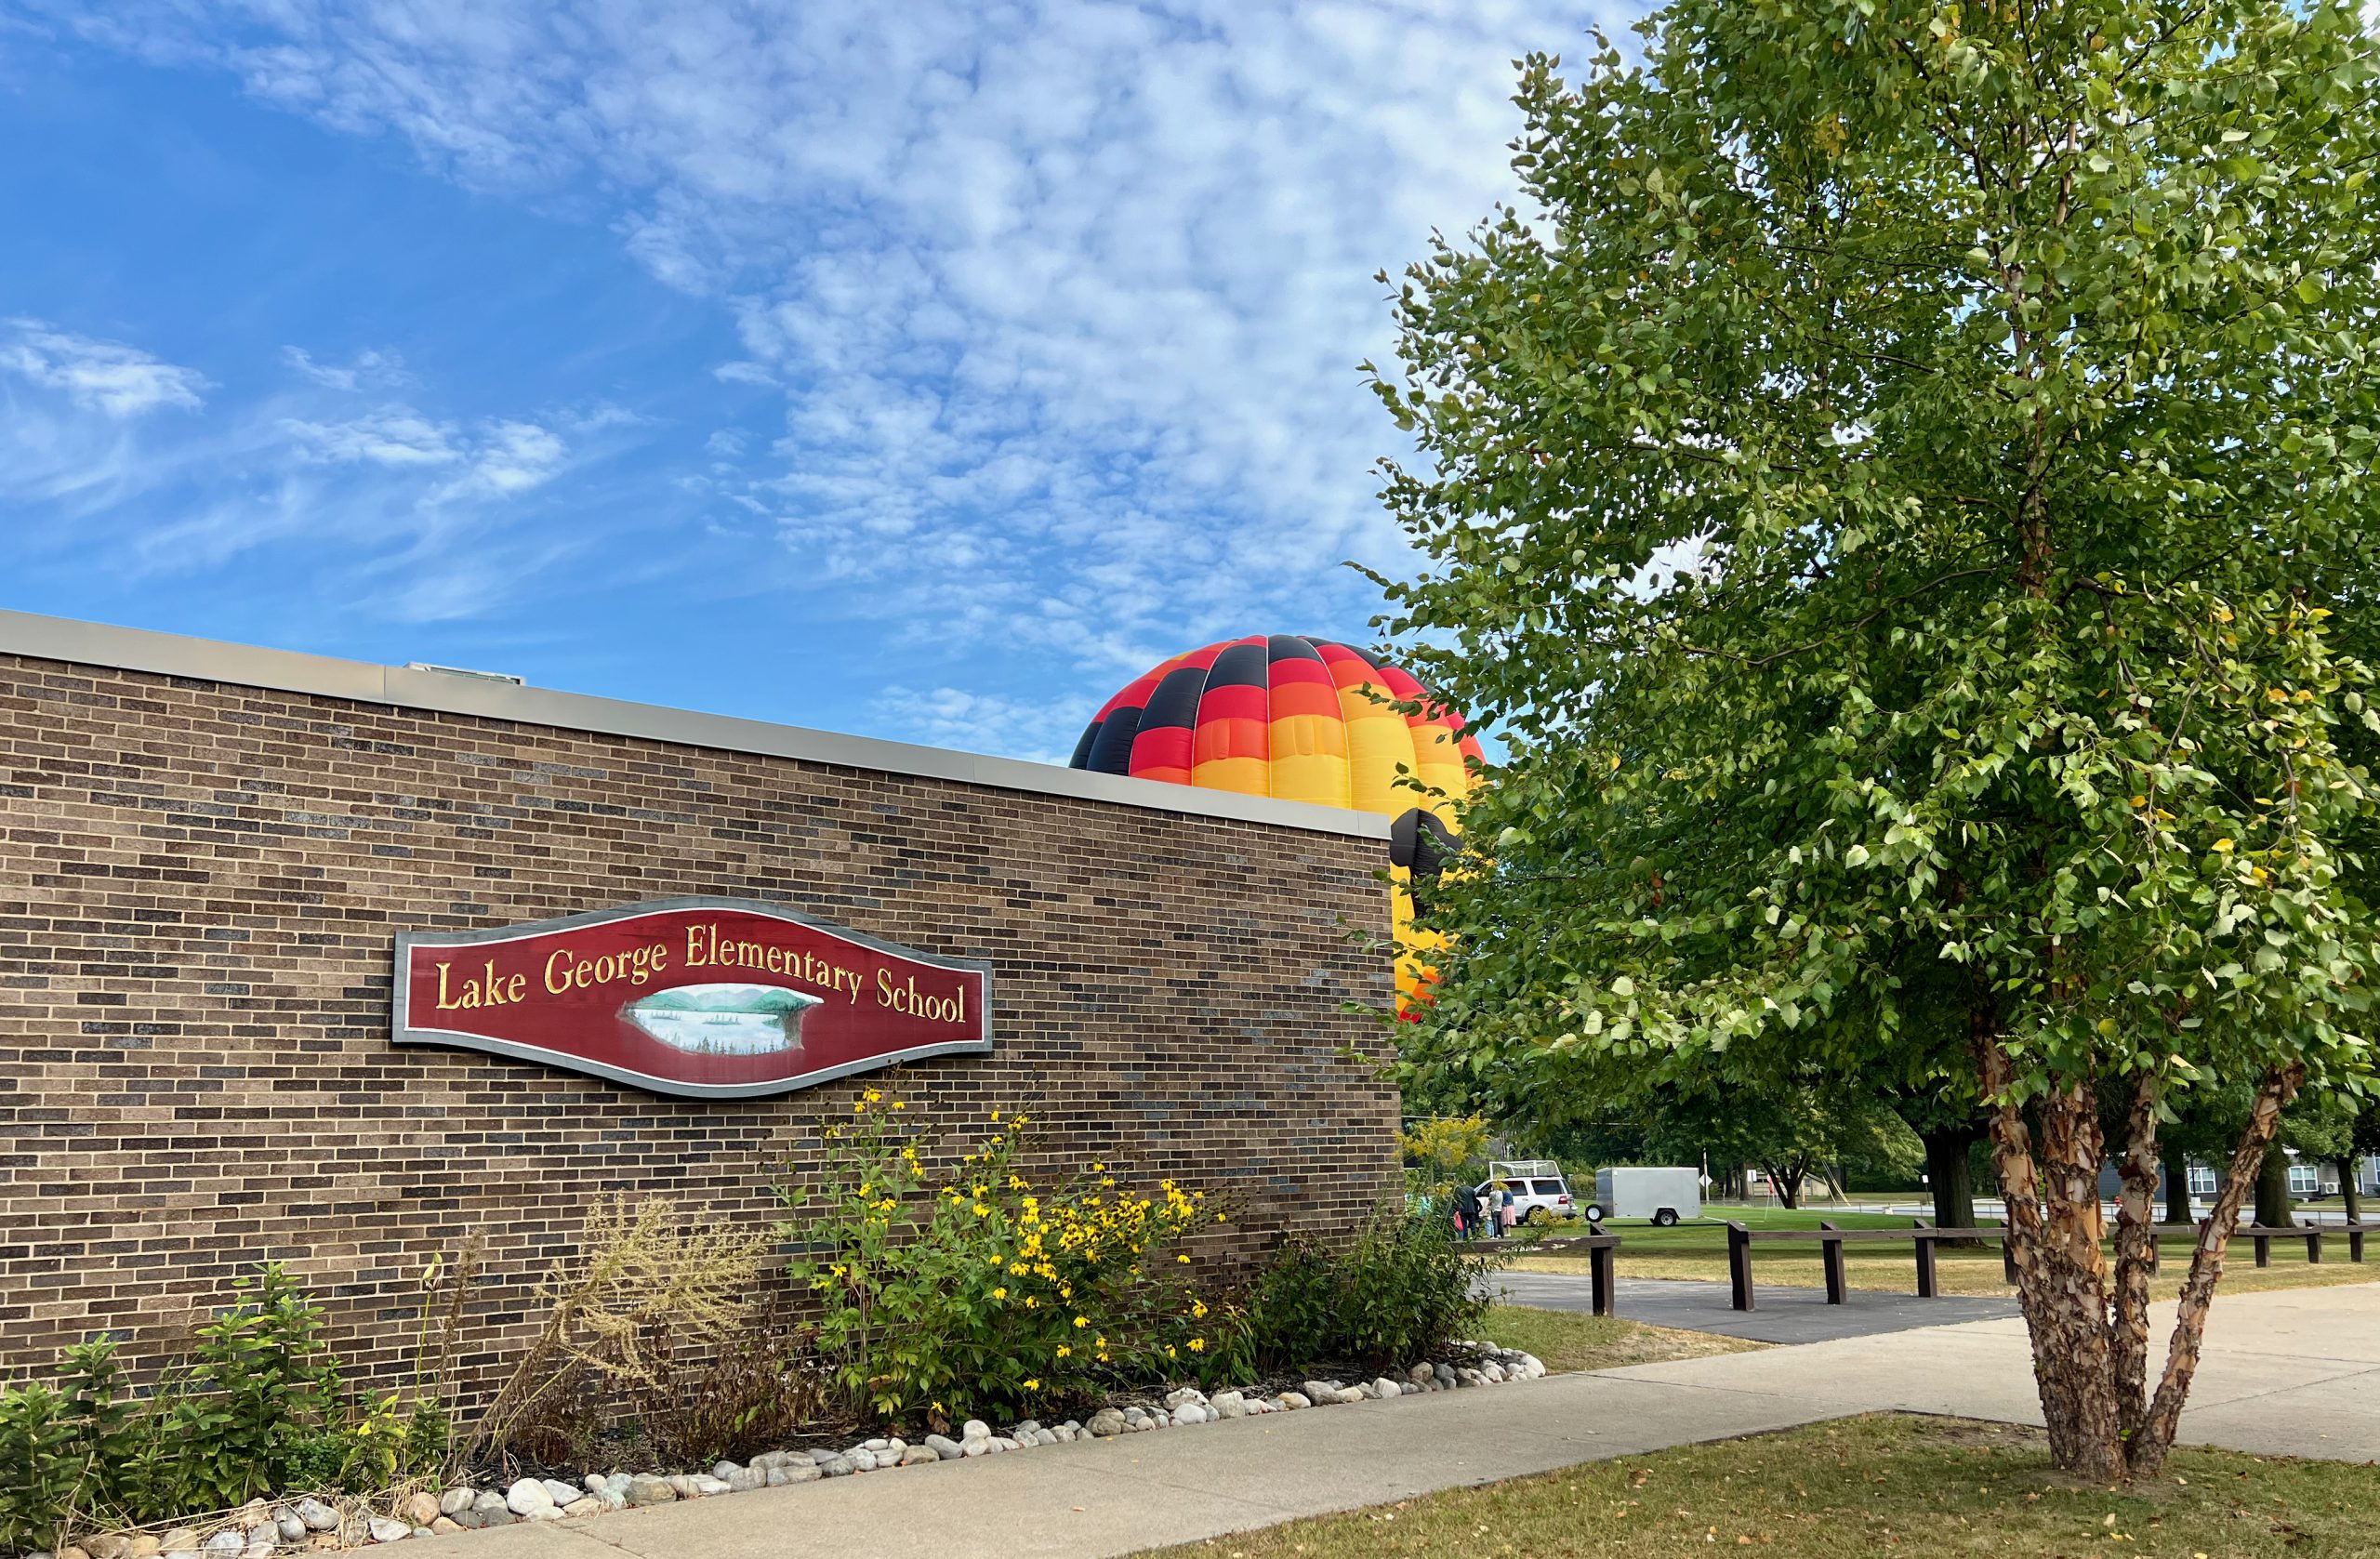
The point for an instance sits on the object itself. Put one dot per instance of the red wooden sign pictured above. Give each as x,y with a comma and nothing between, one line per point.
711,999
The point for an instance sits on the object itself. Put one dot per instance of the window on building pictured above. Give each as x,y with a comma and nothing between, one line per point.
2305,1180
2202,1180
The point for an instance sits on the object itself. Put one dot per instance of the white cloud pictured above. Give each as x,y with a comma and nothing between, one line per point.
109,376
1065,299
368,368
417,516
396,436
1065,296
947,717
513,457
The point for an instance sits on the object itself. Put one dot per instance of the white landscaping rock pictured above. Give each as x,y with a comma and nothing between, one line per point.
530,1499
1294,1400
385,1529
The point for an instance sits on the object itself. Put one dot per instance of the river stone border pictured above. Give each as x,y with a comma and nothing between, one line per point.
262,1529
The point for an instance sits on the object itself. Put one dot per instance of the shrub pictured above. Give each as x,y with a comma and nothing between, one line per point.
254,1408
964,1288
1403,1290
41,1466
758,1391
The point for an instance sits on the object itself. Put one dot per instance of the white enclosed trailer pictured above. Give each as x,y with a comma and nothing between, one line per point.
1664,1195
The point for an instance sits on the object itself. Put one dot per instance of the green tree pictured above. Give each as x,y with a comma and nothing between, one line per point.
2363,1142
1888,483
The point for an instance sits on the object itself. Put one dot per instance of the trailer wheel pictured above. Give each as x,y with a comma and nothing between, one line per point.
1665,1219
1594,1212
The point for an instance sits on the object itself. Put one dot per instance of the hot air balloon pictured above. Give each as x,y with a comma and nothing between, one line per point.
1303,720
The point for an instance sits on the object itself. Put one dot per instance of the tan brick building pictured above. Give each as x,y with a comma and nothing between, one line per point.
210,849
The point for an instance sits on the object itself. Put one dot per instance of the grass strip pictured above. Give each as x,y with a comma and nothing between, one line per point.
1880,1485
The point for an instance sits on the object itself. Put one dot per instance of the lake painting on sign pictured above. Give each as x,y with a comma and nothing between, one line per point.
723,1020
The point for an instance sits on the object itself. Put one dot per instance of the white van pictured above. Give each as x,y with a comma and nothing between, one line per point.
1541,1195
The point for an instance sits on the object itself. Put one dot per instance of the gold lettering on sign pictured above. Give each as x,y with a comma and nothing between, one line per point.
485,990
907,999
707,949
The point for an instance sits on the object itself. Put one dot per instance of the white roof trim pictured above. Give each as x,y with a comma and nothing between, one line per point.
173,655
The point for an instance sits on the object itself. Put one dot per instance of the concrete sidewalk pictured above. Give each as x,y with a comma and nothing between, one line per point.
2294,1370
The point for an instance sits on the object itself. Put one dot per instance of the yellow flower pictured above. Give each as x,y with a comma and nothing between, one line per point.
1183,1258
873,1096
1197,1344
900,1103
1033,1385
1198,1309
1082,1321
995,1115
1066,1350
1000,1293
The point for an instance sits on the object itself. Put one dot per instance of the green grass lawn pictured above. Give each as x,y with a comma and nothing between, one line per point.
1888,1483
1563,1339
1697,1249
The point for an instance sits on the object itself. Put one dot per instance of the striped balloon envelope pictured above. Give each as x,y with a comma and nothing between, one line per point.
1303,720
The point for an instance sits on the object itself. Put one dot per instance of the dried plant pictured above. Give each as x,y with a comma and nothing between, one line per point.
644,1283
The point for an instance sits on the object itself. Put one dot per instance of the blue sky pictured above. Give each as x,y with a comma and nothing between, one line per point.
925,371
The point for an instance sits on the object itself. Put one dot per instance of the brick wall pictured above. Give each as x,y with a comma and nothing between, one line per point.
201,883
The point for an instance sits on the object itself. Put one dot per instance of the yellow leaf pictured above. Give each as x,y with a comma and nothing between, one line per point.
2223,847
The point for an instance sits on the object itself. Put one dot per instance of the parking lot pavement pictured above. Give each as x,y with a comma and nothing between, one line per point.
1782,1313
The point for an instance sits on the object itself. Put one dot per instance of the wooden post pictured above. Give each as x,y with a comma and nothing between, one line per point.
1925,1263
1830,1252
2355,1240
2314,1245
1601,1266
1739,1266
2263,1242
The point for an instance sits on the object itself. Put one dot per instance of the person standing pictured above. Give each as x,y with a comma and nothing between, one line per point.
1504,1210
1466,1201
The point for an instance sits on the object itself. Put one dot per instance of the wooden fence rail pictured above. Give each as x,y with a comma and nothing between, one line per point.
1831,1240
2262,1235
1600,1248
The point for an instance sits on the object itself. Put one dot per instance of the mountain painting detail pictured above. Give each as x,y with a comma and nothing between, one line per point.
707,999
723,1020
